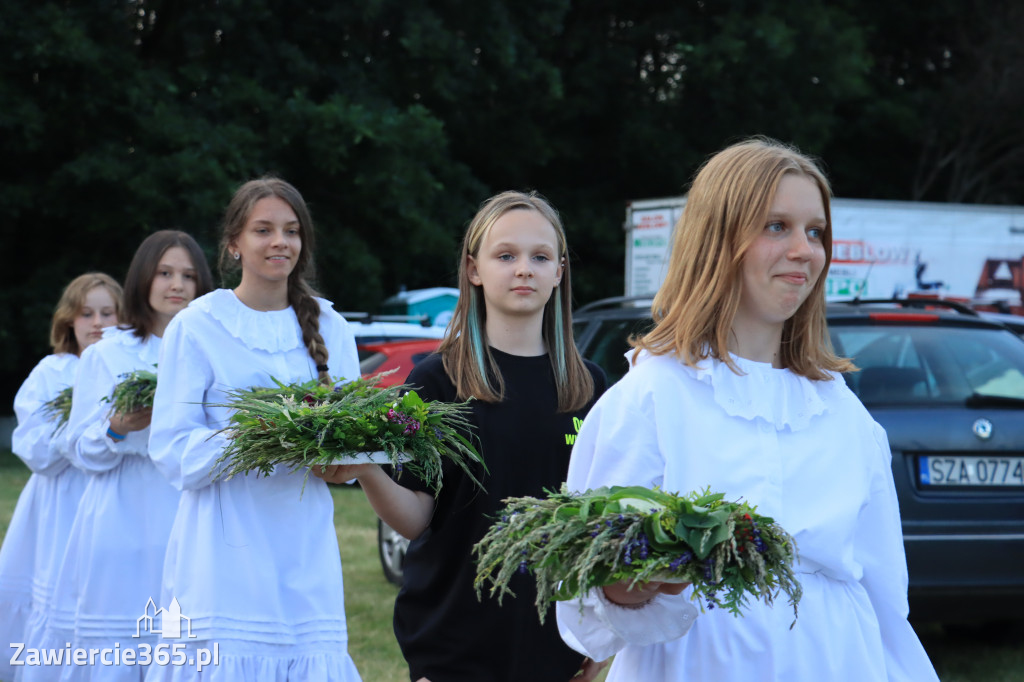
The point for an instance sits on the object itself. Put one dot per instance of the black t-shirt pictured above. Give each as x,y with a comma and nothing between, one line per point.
445,633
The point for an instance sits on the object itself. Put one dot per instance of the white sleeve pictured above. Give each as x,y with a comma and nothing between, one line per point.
618,445
182,444
34,439
878,548
344,357
89,447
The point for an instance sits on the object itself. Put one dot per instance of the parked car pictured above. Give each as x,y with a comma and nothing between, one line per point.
379,328
391,547
947,385
399,357
1015,323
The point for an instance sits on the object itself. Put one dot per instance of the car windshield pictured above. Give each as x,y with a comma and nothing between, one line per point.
920,365
610,343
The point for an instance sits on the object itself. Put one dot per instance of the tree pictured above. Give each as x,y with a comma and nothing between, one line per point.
396,119
941,120
973,146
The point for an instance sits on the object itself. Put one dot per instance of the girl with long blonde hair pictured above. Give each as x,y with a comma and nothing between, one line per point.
38,532
737,388
509,349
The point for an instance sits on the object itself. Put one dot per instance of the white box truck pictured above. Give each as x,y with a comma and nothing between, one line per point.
880,249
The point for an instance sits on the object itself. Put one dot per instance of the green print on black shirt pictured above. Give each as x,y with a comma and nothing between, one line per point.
570,438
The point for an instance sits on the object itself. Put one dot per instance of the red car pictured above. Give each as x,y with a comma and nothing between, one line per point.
375,358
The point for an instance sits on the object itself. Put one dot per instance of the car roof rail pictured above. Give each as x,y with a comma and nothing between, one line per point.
914,303
615,302
367,318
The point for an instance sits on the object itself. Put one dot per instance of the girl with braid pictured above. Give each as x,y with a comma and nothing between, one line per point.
253,562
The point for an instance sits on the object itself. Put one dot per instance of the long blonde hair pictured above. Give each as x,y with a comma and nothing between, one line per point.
466,355
725,212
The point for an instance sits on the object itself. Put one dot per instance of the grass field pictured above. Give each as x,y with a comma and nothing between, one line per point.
991,654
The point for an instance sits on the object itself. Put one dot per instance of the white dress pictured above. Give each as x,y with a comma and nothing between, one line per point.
253,562
114,558
804,452
35,540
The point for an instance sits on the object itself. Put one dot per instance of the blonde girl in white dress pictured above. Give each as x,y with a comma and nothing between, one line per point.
737,388
252,561
114,558
38,532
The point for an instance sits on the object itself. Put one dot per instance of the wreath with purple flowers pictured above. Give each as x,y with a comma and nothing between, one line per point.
573,542
308,424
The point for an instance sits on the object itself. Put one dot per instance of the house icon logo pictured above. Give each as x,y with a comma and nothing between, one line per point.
170,621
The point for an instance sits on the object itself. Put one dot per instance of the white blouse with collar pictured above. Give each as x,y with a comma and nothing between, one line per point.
804,452
253,561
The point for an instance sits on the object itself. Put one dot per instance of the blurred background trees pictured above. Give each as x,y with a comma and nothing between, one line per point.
397,118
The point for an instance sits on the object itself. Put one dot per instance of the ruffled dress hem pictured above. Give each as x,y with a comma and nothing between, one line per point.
331,664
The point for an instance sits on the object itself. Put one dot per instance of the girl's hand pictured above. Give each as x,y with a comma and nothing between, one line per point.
621,594
589,670
125,423
341,473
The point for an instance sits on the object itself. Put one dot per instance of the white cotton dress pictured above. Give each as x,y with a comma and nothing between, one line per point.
806,453
253,562
38,532
114,558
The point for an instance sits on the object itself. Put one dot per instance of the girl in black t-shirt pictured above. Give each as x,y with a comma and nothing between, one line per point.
509,346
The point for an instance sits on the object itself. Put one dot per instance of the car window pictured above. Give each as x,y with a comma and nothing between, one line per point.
917,365
578,328
609,344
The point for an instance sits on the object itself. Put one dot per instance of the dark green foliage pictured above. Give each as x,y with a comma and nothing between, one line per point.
397,119
573,542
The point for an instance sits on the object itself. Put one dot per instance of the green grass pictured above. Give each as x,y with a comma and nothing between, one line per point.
13,476
992,654
369,598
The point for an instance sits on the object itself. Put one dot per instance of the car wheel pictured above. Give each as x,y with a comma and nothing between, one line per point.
391,547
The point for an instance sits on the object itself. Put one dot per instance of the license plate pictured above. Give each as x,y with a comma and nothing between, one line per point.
973,471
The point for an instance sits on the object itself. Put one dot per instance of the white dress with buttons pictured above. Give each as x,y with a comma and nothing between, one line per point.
806,453
34,543
253,562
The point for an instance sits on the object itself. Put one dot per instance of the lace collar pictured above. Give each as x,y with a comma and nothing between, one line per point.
274,331
778,396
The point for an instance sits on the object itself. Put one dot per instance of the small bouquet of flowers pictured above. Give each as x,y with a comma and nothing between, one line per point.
59,409
309,424
134,392
573,542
